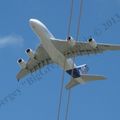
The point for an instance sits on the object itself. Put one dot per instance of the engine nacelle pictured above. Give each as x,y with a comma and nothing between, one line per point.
83,69
30,53
92,42
71,41
21,63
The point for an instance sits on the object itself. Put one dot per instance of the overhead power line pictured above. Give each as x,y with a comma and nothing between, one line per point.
77,36
63,73
79,20
70,18
61,93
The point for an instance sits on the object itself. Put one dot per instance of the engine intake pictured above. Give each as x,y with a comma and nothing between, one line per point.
30,53
28,50
20,60
92,42
21,63
71,41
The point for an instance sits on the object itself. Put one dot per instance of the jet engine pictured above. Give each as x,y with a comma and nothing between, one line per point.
21,63
71,41
92,42
30,53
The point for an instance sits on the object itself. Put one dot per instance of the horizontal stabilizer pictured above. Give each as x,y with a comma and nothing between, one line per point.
92,77
83,79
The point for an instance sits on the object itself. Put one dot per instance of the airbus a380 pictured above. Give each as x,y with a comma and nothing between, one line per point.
59,51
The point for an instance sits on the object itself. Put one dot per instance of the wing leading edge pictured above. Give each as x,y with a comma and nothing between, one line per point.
82,48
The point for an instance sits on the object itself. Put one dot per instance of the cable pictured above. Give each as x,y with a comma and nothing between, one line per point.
61,93
77,36
63,73
79,20
70,18
68,103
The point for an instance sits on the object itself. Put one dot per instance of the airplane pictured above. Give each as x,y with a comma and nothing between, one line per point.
58,51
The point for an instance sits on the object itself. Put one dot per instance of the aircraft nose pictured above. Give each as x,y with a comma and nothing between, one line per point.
34,22
31,22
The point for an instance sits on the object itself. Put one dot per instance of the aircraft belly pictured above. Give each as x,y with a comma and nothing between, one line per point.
55,54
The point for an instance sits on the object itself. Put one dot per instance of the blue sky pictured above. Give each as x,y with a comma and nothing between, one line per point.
38,99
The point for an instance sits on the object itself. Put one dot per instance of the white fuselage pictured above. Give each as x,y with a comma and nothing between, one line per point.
43,33
78,73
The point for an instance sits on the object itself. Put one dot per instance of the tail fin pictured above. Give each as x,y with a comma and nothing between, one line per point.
83,79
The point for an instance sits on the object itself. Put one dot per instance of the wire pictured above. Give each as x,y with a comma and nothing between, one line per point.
70,18
79,20
61,93
68,104
77,36
63,73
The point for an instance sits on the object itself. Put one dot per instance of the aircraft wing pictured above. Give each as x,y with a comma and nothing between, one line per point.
41,59
82,48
